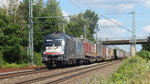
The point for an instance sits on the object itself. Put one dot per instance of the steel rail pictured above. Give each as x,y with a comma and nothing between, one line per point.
62,73
23,73
79,74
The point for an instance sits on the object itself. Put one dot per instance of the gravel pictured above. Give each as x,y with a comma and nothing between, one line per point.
91,78
84,79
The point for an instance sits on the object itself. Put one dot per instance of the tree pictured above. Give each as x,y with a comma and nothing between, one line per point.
146,46
86,20
76,25
92,19
10,40
44,26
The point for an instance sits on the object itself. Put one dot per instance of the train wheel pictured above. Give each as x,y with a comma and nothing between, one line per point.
50,66
81,62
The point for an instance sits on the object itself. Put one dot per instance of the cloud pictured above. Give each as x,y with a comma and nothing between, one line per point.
109,29
65,13
147,3
147,29
113,6
4,3
105,22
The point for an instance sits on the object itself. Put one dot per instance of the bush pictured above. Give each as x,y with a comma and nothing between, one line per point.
15,54
38,59
2,62
144,54
131,69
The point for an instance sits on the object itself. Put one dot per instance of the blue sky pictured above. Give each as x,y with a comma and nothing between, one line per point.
116,10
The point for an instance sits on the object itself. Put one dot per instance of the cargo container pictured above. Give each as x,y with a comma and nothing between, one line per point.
89,49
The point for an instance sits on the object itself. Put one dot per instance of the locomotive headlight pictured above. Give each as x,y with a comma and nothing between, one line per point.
44,53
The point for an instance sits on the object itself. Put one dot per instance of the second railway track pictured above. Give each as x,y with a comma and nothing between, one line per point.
23,73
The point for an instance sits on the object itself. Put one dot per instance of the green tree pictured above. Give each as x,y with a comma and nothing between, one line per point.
86,20
10,40
92,19
146,46
76,25
44,26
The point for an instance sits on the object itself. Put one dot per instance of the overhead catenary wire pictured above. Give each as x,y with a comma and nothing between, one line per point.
76,5
116,23
102,16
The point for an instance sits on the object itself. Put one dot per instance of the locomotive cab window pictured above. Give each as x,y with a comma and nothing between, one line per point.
58,42
54,42
49,42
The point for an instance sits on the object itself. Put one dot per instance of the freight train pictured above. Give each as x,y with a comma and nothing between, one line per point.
62,49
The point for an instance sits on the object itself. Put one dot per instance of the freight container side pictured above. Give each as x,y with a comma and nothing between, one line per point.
88,48
99,50
121,54
111,53
118,54
107,52
95,49
104,52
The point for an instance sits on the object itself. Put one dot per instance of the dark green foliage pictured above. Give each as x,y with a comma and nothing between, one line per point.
10,40
44,26
144,54
2,62
146,46
38,59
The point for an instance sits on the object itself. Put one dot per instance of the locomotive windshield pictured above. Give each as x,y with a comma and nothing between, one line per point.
54,42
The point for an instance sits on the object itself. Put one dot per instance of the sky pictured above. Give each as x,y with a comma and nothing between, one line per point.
117,11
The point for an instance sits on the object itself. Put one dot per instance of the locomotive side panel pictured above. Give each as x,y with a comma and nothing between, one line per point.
70,49
79,50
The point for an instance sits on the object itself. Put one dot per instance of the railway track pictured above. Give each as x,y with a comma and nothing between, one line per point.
22,73
66,75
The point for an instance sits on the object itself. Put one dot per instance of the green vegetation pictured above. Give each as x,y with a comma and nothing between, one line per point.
135,70
144,54
146,46
14,29
130,71
12,65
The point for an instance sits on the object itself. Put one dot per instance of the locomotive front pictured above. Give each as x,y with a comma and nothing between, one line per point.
53,48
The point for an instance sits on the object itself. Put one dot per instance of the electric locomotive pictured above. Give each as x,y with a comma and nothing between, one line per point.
61,49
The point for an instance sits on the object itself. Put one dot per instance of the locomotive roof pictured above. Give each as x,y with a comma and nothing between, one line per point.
59,34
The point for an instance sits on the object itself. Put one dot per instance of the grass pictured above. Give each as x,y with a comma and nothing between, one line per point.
14,65
135,70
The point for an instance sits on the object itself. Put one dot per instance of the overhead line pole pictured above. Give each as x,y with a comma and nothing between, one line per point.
30,44
133,31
